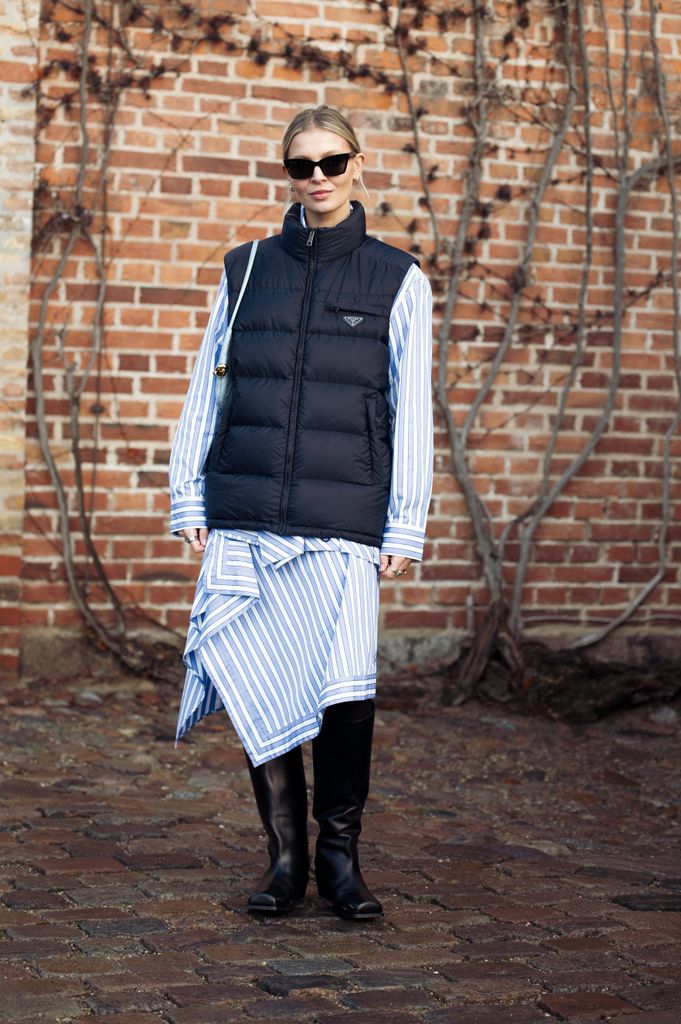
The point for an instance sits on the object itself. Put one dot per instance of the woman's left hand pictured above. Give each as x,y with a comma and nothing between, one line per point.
393,562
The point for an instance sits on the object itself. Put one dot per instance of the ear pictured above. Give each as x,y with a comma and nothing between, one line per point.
358,162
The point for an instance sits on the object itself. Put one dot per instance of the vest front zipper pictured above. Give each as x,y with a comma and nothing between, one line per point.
297,374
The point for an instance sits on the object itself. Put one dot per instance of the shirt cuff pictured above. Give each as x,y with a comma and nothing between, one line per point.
401,539
187,513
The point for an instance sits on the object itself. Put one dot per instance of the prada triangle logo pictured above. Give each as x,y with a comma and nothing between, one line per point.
353,320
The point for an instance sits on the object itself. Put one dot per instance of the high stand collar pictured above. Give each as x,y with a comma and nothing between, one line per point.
331,243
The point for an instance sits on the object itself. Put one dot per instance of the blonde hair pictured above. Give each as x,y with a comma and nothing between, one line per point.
321,117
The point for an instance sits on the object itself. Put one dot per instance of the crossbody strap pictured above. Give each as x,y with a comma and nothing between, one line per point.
221,368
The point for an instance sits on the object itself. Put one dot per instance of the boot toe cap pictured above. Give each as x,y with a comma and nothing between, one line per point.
359,910
268,903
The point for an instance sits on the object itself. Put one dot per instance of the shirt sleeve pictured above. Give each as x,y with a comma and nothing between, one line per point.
411,409
196,426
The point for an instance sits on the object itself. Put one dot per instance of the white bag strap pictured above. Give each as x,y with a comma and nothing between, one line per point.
221,368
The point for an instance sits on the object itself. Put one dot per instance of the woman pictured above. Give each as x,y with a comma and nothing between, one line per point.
308,490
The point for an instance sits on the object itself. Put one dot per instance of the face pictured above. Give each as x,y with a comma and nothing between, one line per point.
326,198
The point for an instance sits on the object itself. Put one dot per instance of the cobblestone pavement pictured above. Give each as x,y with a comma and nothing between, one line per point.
529,871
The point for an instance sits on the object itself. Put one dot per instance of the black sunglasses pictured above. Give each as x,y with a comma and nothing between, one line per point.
301,167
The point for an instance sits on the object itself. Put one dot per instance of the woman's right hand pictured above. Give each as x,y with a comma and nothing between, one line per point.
199,538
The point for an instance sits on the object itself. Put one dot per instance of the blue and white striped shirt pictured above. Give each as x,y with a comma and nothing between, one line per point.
411,420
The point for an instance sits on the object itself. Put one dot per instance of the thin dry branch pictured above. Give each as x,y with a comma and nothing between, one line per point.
545,497
521,273
478,118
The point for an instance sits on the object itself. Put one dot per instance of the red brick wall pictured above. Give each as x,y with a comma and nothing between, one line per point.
194,170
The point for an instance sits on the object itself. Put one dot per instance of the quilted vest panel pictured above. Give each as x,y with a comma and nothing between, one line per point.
304,446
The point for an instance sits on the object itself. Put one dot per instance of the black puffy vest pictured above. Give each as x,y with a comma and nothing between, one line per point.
304,445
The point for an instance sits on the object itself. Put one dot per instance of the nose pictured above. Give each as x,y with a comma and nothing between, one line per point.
318,174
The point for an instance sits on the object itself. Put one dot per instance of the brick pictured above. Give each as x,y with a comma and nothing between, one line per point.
78,865
567,1005
513,1014
388,999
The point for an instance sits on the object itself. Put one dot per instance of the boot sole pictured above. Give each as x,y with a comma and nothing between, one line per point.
270,910
357,917
369,915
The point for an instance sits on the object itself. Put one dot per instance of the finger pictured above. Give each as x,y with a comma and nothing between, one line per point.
203,536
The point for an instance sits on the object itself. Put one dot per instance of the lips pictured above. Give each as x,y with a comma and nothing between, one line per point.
320,195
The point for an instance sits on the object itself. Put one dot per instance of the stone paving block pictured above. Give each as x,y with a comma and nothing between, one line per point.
191,939
121,1018
388,999
18,949
511,950
28,899
233,991
42,930
303,1006
124,926
78,865
391,979
324,965
511,1014
492,932
654,997
247,953
566,1006
650,901
113,1003
77,965
216,974
114,947
164,861
580,944
85,914
277,985
15,972
105,895
372,1017
27,1009
16,917
560,980
663,1017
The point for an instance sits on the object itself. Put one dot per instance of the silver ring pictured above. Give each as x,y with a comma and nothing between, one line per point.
190,540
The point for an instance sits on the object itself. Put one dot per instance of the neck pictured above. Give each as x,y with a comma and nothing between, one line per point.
327,219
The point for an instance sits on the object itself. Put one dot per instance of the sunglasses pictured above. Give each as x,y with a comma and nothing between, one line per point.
331,166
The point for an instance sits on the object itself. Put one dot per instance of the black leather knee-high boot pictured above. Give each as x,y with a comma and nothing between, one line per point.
341,755
281,798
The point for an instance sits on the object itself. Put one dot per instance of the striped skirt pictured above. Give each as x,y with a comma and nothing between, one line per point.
280,627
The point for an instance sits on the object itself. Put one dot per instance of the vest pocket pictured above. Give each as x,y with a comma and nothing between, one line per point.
356,311
215,456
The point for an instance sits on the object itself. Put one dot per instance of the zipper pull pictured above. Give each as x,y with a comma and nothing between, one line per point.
333,309
310,237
